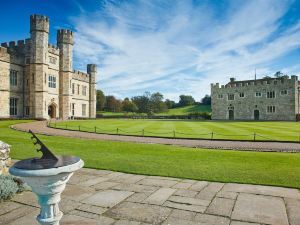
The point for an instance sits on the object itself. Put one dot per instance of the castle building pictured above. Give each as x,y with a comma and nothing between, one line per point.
261,99
37,79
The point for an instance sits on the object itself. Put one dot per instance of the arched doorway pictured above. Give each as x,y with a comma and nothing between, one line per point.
256,114
52,111
231,114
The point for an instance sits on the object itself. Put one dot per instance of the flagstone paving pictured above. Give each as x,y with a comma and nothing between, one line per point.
114,198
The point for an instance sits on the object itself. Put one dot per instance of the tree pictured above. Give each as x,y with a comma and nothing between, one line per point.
100,103
129,106
113,104
278,74
185,100
206,100
170,104
142,102
156,103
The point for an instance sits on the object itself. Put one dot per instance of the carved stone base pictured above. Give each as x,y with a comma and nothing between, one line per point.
48,184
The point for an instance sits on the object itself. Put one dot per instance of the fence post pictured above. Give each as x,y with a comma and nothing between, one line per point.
79,127
212,136
55,124
174,133
117,130
254,136
66,126
95,129
143,132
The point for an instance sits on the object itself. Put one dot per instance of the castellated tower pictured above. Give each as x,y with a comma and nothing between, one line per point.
92,71
39,33
65,44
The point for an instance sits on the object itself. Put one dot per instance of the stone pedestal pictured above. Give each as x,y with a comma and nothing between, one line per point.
48,184
5,161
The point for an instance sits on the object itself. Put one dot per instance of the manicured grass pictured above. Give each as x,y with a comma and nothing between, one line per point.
187,110
280,131
280,169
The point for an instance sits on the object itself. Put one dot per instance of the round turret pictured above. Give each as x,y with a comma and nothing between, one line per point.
39,23
65,37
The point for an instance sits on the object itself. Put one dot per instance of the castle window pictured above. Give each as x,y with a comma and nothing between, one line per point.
283,92
13,109
52,60
73,88
257,94
230,96
84,90
220,96
52,81
73,109
13,76
83,109
271,94
242,95
27,110
271,109
78,86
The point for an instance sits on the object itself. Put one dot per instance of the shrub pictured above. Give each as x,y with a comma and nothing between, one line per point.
9,186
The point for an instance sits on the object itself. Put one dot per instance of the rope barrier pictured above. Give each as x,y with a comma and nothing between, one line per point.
143,132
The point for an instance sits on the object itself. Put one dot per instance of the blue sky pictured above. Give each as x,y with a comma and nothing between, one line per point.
174,47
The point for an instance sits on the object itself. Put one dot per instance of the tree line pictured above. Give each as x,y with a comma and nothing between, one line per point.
148,103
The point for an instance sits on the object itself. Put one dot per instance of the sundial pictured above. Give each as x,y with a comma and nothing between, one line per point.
48,159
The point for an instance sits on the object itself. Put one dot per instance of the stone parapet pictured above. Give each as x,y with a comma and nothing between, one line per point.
5,161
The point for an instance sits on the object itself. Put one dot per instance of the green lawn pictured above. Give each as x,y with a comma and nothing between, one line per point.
280,131
281,169
187,109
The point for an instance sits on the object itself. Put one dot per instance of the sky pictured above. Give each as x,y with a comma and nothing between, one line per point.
170,46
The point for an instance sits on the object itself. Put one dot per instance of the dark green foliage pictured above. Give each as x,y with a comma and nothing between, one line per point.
185,100
100,100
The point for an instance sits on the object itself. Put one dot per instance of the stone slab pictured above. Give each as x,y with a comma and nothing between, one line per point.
221,207
157,182
26,198
17,213
77,193
182,214
152,214
198,186
94,181
177,221
29,218
91,209
242,223
160,196
137,197
107,198
183,185
8,206
260,209
79,220
192,208
190,201
206,219
293,210
127,222
135,188
210,191
227,194
263,190
186,193
105,185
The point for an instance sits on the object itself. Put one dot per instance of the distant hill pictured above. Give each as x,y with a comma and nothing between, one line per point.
187,109
176,111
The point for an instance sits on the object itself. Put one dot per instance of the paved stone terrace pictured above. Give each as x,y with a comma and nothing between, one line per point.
40,127
106,197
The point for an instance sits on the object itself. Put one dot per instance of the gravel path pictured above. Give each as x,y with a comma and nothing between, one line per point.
41,128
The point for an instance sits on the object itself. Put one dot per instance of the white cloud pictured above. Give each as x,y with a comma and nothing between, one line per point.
180,48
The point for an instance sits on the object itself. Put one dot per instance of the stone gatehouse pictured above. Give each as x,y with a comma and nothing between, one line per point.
37,79
261,99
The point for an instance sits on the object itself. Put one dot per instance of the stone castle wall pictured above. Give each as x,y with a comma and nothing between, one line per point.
35,61
244,105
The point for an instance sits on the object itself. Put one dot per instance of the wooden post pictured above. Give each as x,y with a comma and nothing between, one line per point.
117,130
143,132
254,136
95,129
174,134
79,127
212,136
66,126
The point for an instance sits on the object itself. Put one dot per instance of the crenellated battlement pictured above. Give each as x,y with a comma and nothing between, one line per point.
79,75
264,81
53,49
65,36
39,23
3,50
39,17
4,55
